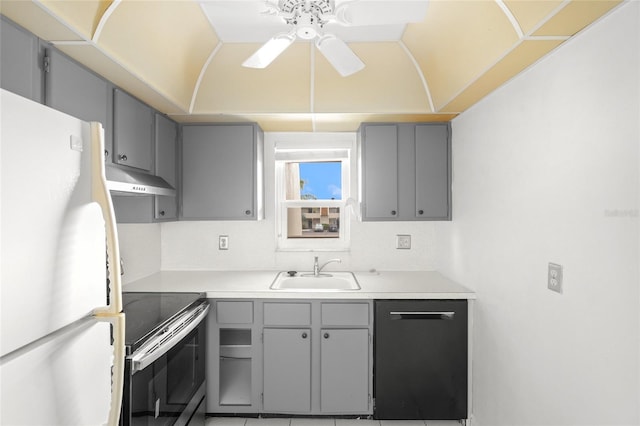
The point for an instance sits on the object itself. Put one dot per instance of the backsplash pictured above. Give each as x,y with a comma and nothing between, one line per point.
194,246
149,248
139,250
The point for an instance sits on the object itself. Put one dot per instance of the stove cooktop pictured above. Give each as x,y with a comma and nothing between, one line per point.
146,313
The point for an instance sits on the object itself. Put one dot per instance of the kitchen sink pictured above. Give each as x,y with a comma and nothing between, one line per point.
307,281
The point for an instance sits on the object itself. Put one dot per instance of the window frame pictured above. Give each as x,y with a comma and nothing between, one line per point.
334,150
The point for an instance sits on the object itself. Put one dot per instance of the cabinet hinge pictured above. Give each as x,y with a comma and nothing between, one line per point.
46,64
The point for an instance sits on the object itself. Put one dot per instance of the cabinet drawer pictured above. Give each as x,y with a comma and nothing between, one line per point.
287,314
234,312
345,314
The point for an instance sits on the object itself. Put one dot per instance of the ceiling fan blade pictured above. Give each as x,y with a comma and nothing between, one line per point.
269,51
343,59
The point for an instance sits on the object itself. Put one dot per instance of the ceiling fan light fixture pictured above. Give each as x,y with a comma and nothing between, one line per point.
307,26
343,59
269,51
306,19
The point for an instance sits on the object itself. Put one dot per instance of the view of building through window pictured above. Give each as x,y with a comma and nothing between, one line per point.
313,182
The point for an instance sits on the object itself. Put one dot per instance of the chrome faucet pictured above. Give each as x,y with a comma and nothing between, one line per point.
317,269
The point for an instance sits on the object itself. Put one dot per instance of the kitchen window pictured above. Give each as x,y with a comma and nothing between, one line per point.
312,194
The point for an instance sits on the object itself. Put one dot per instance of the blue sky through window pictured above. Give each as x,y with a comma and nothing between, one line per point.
322,180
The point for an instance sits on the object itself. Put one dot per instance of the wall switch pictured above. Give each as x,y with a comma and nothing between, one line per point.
223,242
554,277
403,242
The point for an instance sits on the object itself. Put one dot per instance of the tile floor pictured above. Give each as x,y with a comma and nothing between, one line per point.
239,421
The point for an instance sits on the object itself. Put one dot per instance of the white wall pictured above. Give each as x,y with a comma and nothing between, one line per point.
546,170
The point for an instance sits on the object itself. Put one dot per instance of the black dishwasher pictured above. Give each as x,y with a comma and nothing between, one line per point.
420,359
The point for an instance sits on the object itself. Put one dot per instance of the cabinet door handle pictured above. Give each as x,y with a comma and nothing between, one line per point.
393,212
420,212
247,212
326,335
426,315
122,157
161,212
304,335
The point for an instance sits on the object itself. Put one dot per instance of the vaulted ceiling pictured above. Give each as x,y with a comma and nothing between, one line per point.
169,54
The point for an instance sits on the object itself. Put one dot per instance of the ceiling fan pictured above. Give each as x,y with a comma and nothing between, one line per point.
307,19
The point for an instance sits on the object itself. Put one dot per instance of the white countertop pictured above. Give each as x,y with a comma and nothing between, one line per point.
255,285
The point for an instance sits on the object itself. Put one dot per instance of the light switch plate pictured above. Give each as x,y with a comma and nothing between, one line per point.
554,277
223,242
403,242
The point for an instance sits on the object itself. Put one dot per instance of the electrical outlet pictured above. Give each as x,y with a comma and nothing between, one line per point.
223,242
554,277
403,242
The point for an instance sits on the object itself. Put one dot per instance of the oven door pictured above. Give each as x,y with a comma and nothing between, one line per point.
170,390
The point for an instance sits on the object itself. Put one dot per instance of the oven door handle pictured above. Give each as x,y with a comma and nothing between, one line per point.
148,353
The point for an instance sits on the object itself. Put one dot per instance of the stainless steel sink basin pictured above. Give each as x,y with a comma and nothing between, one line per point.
306,281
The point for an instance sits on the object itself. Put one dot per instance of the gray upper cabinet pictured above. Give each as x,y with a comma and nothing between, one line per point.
166,135
222,172
380,171
432,172
133,130
406,171
73,89
147,208
20,65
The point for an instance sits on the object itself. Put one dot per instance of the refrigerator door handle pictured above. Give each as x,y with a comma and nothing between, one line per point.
100,194
117,372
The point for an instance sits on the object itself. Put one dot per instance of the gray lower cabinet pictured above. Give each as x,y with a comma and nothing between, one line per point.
287,370
317,357
234,357
298,357
20,61
406,171
222,172
344,372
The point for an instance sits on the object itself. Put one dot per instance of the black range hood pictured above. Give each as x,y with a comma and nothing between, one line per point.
122,181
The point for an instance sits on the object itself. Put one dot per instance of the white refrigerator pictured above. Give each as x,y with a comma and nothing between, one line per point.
61,325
